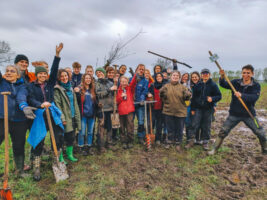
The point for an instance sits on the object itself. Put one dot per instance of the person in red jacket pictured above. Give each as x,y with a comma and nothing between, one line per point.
125,101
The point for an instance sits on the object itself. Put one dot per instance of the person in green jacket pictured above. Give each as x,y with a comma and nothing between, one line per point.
65,99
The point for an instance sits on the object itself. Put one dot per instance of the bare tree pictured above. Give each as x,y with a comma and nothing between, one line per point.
257,74
238,74
163,62
215,76
118,49
264,74
6,55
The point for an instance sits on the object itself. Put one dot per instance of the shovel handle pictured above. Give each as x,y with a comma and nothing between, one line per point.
6,138
51,132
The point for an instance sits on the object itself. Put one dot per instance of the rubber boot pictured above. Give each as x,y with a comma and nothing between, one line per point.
264,147
61,158
189,144
19,163
36,168
70,156
216,146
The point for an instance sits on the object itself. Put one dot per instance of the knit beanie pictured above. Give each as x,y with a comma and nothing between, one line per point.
101,70
20,57
39,69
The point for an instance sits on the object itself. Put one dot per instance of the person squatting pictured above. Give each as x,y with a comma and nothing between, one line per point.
81,106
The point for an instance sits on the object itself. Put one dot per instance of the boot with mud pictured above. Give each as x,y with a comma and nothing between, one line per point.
83,151
130,145
216,146
36,168
61,158
178,148
69,152
264,147
189,145
19,163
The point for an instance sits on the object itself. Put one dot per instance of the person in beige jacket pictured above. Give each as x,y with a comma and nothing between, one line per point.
173,96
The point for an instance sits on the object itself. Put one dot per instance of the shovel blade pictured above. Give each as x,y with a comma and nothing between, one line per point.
60,171
6,194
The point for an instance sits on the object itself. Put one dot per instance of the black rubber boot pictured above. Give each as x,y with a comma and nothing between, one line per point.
36,168
264,147
19,164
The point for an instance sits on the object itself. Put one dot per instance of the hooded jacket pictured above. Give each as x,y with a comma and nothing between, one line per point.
104,94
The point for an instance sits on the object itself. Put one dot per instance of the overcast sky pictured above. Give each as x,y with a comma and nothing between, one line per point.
183,29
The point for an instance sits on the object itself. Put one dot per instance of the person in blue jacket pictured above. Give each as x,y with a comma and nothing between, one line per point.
205,95
249,91
12,82
41,95
141,91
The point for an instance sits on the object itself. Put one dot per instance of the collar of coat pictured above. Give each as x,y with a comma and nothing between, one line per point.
63,92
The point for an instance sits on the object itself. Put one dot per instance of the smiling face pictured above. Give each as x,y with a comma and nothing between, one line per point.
87,80
41,77
76,70
141,70
64,78
159,78
147,75
195,78
185,78
100,74
89,71
11,74
110,74
175,77
23,65
247,74
122,70
157,69
205,76
123,82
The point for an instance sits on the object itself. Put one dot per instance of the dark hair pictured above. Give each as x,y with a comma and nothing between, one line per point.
91,86
248,67
109,69
195,72
60,71
76,65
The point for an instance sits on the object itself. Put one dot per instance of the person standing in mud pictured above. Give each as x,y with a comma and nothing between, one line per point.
249,90
205,95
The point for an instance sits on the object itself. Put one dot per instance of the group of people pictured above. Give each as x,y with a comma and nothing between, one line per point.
76,101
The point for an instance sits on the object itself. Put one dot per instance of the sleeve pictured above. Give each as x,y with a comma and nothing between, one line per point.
77,112
31,98
252,98
163,93
100,92
151,89
54,69
193,100
145,91
58,103
118,97
175,67
21,97
1,77
224,84
217,95
133,83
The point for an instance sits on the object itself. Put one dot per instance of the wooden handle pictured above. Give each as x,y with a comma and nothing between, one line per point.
51,132
6,137
233,88
150,118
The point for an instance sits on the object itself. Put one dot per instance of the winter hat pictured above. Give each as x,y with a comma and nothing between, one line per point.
164,70
39,69
20,57
101,70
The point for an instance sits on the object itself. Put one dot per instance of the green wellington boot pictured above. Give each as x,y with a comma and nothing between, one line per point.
61,158
70,156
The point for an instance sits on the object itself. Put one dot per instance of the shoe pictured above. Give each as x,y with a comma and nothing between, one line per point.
141,141
158,142
69,152
36,168
130,145
263,147
61,158
90,150
83,151
19,165
216,146
124,146
167,146
190,144
206,146
178,148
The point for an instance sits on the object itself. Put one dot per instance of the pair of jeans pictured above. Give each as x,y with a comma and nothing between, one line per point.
232,121
17,132
158,121
202,119
175,127
140,113
104,136
87,129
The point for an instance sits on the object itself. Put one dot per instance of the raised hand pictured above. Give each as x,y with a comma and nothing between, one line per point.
59,48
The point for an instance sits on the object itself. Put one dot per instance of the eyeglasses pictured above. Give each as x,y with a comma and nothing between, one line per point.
11,71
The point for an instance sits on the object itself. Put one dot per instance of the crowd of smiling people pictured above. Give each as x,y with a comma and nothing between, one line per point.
76,101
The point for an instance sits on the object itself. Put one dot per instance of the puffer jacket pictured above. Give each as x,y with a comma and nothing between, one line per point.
200,93
141,89
173,96
104,94
250,94
126,106
18,95
63,103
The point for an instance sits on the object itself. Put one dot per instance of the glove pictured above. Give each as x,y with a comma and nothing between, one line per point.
131,71
28,112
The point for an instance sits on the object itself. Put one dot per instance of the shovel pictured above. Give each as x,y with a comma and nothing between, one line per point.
149,136
59,168
6,193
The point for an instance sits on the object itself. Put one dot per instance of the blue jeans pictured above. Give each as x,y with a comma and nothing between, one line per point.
140,113
87,122
175,127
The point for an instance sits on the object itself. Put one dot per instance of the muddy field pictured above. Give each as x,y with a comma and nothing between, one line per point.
238,171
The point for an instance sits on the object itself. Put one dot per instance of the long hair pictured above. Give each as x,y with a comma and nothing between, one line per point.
91,87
